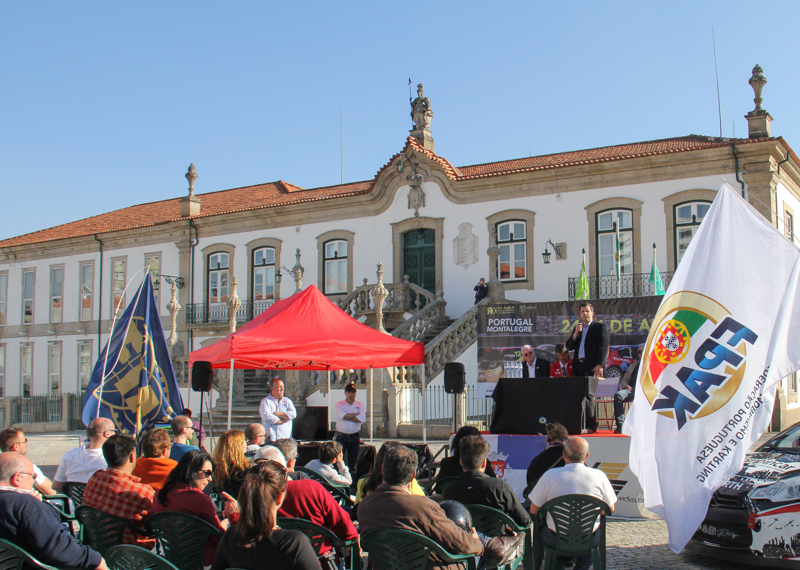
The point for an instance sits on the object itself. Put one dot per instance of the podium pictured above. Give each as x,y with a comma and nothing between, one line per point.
524,406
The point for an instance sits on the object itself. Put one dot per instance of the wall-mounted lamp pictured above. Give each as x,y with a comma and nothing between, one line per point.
170,279
546,254
295,272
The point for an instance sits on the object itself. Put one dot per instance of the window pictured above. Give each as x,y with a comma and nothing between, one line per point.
793,382
335,264
153,261
84,364
56,294
118,284
607,224
54,368
789,226
27,297
512,239
2,370
87,286
218,278
263,286
688,217
3,293
25,370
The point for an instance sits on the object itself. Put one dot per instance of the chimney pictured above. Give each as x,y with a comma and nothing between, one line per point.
190,205
758,120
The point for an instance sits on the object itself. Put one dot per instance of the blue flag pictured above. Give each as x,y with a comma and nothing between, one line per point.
133,383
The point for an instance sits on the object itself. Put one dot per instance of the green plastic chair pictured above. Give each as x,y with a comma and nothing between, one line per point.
439,484
75,492
574,517
103,531
62,505
12,557
493,522
129,557
320,477
182,537
318,534
395,549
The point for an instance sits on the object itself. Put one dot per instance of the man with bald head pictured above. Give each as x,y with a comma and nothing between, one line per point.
277,412
80,463
33,525
575,478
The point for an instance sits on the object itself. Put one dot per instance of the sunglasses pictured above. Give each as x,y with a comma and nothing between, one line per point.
206,474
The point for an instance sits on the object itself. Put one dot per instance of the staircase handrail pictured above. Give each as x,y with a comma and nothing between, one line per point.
416,328
399,297
451,342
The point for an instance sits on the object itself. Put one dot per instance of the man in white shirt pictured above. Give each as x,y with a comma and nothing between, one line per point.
13,439
255,436
80,463
575,478
277,412
331,464
350,414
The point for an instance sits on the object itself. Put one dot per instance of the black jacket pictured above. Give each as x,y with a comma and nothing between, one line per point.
542,368
451,467
548,458
595,347
476,488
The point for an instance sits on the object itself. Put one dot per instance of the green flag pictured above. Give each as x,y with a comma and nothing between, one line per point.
582,290
655,276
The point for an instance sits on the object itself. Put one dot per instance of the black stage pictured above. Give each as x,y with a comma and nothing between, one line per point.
525,405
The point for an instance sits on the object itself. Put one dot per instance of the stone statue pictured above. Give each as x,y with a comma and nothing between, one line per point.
421,112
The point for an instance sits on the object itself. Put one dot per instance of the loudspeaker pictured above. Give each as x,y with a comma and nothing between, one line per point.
201,376
455,378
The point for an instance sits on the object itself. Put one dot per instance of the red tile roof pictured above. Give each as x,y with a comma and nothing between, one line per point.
282,193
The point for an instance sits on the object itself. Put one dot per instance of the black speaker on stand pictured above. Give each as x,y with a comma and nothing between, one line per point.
202,380
455,378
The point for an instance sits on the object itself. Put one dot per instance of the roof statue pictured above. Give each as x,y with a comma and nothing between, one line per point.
421,112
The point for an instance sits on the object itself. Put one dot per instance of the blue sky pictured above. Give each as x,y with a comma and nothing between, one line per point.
105,104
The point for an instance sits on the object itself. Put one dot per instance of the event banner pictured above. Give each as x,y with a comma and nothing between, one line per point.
504,329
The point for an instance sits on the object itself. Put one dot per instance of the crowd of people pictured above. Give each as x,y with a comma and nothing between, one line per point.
250,483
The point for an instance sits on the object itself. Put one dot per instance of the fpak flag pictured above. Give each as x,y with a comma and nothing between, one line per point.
582,290
133,383
655,276
726,332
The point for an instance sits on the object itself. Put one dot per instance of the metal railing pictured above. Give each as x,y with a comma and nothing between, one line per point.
200,313
608,287
439,406
37,409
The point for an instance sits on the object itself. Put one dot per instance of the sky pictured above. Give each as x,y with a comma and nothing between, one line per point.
105,104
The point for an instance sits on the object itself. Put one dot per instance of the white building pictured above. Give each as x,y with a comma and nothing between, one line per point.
420,216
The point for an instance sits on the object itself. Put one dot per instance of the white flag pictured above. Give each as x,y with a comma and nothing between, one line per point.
726,332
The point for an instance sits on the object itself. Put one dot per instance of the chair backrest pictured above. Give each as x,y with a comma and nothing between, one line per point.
395,549
439,485
75,492
316,534
574,517
12,557
318,477
61,502
182,537
491,522
129,557
101,530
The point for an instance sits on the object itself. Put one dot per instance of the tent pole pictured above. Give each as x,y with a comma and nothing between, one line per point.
329,405
230,395
424,411
371,425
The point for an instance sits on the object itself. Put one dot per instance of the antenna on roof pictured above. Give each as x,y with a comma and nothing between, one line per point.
341,134
716,71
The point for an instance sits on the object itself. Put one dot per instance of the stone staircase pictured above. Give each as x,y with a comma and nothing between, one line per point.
242,414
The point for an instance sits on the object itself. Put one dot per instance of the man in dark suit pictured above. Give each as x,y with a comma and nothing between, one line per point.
590,343
532,366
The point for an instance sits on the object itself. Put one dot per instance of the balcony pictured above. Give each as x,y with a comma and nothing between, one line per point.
608,287
204,313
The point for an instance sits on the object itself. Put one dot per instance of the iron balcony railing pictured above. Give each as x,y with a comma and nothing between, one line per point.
609,287
201,313
45,408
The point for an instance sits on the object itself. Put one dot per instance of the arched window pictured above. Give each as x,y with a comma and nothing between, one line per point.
335,266
218,277
512,239
607,223
263,285
688,217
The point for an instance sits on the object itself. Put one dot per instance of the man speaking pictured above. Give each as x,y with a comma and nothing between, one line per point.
590,343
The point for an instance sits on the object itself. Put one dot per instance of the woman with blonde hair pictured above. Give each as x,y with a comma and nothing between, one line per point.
230,464
255,541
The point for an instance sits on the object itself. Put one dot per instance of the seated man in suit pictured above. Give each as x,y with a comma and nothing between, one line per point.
474,487
562,367
533,366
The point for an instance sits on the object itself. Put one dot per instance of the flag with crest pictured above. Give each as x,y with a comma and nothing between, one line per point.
133,383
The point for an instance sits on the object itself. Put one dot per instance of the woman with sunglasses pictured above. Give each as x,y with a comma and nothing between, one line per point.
183,492
255,542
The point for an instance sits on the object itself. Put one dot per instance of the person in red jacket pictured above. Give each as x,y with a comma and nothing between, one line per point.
562,367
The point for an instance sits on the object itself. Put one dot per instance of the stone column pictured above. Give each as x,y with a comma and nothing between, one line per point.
379,294
234,303
174,308
496,288
297,273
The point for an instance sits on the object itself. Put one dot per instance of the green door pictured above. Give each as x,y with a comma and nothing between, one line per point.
419,258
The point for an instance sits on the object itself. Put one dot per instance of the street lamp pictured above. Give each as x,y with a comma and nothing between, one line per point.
546,254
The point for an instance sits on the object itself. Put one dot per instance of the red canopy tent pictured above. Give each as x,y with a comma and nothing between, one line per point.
308,332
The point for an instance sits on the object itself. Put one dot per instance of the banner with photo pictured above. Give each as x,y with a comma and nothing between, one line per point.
504,329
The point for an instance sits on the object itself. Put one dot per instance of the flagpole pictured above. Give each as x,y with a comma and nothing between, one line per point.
230,395
617,256
113,324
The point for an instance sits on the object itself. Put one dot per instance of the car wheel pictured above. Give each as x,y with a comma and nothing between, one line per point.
613,372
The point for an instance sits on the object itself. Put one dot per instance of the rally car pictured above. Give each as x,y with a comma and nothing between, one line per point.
755,516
